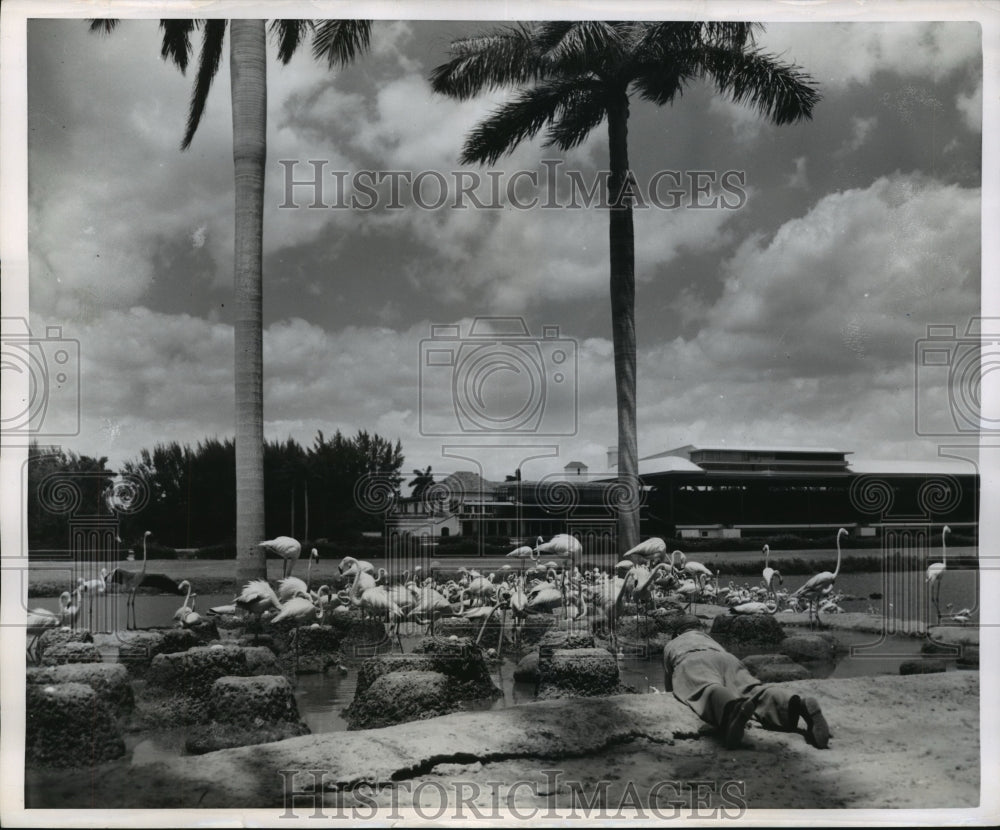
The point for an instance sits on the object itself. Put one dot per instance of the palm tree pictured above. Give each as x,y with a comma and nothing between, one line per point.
572,76
338,41
422,479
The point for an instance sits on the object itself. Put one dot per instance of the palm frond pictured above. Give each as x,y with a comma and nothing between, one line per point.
288,35
779,91
659,41
340,41
583,47
176,45
730,35
662,81
503,57
581,111
517,120
104,25
208,67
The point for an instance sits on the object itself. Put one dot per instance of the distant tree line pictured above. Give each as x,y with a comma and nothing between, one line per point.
187,495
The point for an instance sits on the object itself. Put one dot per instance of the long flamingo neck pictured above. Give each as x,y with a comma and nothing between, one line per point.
837,569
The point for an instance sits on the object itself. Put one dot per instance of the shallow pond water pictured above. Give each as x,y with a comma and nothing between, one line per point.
322,697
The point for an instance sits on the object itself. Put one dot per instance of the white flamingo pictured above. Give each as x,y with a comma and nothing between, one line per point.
292,585
257,597
41,620
186,616
820,585
936,570
562,544
652,548
287,548
768,607
523,552
770,573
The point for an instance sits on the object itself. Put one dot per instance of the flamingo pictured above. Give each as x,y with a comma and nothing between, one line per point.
768,607
41,620
349,565
770,573
821,584
97,585
257,597
697,571
936,570
523,552
431,602
186,616
688,589
131,581
544,599
292,585
299,609
562,544
376,602
644,584
650,549
287,548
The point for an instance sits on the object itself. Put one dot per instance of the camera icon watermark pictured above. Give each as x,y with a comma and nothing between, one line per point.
41,383
498,379
957,363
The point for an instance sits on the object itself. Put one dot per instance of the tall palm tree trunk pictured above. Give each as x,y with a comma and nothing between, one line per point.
248,70
622,244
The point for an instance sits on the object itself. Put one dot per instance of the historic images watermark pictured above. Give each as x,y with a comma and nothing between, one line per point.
41,380
315,187
956,361
499,379
315,794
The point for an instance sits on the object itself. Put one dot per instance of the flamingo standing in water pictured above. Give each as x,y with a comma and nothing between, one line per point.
186,616
936,570
820,585
131,581
299,609
257,597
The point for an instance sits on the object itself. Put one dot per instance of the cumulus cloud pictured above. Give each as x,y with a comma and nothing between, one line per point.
840,54
970,105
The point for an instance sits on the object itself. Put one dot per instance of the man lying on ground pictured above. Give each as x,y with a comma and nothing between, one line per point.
722,692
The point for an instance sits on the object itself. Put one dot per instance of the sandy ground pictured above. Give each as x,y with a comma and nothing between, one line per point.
897,742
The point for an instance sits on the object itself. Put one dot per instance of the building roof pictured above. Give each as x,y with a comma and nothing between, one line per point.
468,483
667,464
687,449
945,466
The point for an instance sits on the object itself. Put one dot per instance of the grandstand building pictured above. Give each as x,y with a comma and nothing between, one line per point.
706,492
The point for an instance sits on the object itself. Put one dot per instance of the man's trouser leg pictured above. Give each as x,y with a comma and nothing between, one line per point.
708,680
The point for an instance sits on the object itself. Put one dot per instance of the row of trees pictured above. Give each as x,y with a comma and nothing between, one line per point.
569,76
186,495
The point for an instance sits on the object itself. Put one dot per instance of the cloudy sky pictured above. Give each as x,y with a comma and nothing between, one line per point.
791,319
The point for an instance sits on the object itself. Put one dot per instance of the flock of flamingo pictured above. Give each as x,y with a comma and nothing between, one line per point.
647,576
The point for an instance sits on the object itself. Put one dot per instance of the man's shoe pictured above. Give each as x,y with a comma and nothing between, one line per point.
817,729
738,712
